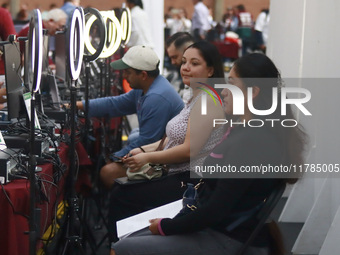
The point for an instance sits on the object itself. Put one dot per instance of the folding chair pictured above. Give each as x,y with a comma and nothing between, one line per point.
263,214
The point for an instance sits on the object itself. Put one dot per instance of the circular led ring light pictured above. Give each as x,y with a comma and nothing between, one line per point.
126,22
35,50
102,34
76,42
114,34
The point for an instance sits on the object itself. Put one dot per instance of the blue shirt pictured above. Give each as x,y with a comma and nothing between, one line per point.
154,109
68,7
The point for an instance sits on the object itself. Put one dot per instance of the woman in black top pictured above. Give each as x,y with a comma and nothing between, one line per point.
209,229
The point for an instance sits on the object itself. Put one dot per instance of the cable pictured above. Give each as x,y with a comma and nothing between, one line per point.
17,71
11,204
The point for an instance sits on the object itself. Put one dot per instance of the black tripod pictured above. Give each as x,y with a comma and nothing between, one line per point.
74,62
72,240
35,46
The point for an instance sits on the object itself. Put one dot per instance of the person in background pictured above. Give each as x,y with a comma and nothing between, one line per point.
200,20
211,18
140,30
261,30
22,16
6,6
179,22
245,28
214,227
69,6
168,20
45,13
230,20
175,46
54,21
168,15
6,29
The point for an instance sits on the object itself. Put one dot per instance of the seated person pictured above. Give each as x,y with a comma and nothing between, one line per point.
205,230
6,29
190,135
152,98
54,21
175,47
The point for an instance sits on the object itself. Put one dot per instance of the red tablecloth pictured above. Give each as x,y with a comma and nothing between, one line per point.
13,240
227,49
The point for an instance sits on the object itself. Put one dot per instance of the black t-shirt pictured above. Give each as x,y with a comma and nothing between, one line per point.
220,198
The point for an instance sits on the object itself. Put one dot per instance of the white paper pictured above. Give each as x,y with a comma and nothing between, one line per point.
27,99
2,142
140,221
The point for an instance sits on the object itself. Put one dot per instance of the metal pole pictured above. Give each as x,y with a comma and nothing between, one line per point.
32,164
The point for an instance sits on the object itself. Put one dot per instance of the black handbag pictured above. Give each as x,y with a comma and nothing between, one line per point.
190,203
190,199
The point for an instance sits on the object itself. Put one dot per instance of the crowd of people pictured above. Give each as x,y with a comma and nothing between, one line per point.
190,138
253,33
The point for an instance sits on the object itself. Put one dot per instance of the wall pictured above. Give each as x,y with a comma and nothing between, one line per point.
303,43
253,6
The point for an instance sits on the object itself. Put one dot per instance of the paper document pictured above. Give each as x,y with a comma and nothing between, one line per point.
2,142
140,221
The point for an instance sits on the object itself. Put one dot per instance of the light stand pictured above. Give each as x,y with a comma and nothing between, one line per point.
118,34
126,22
113,41
101,66
75,35
115,35
94,54
35,54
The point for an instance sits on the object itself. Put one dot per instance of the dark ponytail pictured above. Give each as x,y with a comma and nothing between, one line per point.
258,70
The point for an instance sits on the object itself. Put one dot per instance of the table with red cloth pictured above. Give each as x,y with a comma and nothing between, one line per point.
227,49
13,240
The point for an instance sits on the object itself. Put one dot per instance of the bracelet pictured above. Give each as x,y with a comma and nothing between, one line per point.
159,227
140,147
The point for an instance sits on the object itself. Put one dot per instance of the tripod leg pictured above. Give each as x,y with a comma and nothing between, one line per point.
80,247
91,241
126,125
70,245
102,241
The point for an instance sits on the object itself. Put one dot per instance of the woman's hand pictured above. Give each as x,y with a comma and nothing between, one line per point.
154,226
134,152
136,162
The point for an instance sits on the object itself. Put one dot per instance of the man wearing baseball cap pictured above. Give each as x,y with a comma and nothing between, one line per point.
152,98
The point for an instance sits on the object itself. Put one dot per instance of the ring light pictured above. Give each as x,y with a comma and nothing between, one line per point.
126,22
35,50
102,34
76,43
114,34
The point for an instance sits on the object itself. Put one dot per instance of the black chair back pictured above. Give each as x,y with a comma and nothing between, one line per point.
263,214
